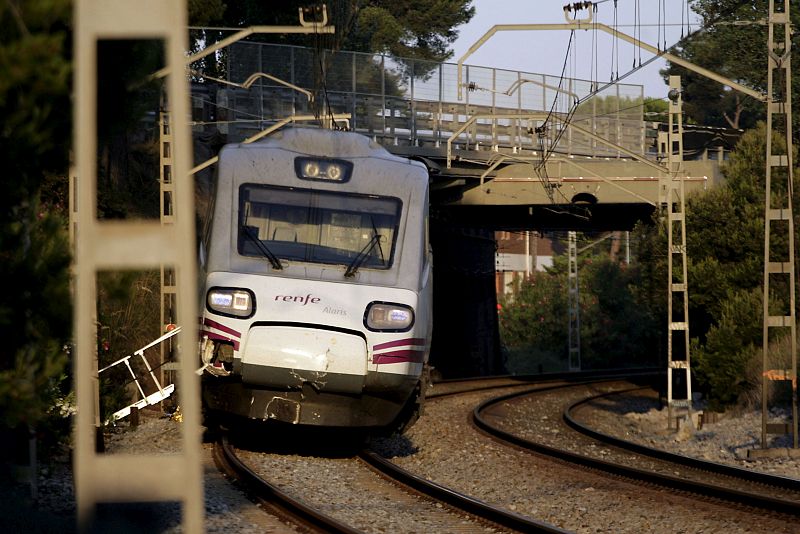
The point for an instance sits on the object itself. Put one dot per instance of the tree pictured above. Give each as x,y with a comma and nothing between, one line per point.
736,51
655,109
416,29
35,322
725,233
720,363
535,320
619,318
725,242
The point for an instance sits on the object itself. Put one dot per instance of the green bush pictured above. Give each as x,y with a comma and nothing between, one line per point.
35,314
618,325
719,364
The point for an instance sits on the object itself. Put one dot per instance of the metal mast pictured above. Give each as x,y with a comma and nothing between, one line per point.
574,305
678,363
167,217
778,218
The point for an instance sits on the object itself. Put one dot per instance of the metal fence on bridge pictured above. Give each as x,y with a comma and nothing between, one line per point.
414,103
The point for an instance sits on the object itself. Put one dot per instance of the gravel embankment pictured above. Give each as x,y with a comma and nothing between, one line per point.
637,417
448,451
228,510
443,447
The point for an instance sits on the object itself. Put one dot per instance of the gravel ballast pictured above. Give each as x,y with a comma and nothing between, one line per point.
443,447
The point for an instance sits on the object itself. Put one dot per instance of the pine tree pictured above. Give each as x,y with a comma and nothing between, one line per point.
35,322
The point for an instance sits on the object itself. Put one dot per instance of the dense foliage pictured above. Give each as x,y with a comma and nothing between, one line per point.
732,43
35,313
619,318
623,309
726,247
418,29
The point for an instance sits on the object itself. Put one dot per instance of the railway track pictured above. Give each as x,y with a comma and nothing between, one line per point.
595,450
403,490
576,498
466,514
441,509
378,482
787,488
275,500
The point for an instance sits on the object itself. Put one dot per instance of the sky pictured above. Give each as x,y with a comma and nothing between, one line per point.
547,51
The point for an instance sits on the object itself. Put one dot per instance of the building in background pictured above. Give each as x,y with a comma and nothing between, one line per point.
518,255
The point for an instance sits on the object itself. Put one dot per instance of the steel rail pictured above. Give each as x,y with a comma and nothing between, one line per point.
454,499
708,490
696,463
286,505
546,380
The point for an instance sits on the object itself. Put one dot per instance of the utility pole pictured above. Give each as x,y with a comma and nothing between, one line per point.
167,217
678,364
778,217
574,304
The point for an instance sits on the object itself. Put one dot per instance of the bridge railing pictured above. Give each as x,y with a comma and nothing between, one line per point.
413,102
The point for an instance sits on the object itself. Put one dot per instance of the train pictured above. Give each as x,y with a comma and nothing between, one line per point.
316,272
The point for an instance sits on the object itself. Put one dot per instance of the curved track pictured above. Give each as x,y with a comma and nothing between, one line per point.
672,471
416,496
444,501
465,503
308,517
279,502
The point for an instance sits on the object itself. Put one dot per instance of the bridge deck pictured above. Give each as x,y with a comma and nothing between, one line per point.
411,107
414,103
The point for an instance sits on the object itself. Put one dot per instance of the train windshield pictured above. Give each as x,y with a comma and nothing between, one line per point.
317,226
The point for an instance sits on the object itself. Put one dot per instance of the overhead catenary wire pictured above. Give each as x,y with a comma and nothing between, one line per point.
615,47
638,29
662,30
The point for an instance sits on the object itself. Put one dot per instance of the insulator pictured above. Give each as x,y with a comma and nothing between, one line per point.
472,86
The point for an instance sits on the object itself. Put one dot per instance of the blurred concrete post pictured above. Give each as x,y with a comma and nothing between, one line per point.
108,245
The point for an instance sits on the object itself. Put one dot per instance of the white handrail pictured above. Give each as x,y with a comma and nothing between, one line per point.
146,400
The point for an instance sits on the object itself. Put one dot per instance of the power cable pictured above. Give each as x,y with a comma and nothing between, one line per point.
615,46
594,70
637,30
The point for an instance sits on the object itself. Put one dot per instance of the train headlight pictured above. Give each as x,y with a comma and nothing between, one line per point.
389,317
232,302
327,170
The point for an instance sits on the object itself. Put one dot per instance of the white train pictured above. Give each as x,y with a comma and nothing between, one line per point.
317,283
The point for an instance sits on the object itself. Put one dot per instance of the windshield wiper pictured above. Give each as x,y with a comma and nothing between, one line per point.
363,255
374,233
265,251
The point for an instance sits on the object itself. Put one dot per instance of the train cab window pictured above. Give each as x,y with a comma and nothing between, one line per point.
318,226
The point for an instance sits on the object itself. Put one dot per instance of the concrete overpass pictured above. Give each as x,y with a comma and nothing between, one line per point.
568,193
485,152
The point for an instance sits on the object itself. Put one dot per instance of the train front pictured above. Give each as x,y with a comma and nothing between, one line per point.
317,283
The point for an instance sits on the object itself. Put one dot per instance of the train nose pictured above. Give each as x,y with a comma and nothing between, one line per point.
280,356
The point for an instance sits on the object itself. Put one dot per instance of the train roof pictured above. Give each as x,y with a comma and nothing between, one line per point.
324,143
